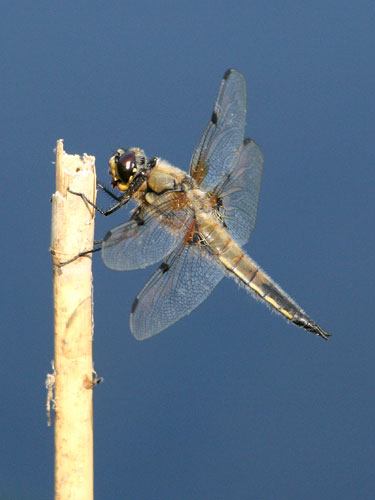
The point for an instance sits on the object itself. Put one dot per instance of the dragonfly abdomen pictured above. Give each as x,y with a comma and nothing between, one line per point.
255,280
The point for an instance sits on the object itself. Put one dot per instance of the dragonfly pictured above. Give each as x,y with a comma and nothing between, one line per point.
196,223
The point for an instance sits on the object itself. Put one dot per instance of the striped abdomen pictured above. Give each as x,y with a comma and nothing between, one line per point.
251,275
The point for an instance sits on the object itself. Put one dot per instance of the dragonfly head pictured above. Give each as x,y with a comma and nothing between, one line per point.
124,167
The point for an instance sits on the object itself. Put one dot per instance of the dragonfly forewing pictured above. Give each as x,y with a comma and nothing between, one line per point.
218,149
151,234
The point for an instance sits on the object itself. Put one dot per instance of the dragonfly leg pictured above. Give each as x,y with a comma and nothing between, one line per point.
121,201
82,254
108,191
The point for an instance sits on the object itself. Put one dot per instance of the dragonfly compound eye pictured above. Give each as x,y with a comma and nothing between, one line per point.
126,167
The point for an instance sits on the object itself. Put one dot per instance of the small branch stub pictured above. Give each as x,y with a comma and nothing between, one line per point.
72,233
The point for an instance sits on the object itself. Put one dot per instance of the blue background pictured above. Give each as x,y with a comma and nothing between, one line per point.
232,402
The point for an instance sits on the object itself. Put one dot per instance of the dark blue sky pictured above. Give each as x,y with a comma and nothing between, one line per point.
231,402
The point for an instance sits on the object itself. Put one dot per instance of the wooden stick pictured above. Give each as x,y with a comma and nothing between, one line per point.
72,233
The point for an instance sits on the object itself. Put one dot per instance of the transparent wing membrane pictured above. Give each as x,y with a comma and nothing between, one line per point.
218,149
240,193
151,234
180,284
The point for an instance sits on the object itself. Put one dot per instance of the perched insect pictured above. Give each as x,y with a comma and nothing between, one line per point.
196,222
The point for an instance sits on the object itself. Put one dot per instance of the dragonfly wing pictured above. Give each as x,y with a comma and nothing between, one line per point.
151,234
181,283
239,193
218,149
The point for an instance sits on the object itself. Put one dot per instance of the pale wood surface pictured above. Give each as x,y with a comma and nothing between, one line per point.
73,232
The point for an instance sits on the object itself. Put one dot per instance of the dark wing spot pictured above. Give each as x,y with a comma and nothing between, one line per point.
137,217
247,141
196,239
107,236
214,118
134,306
164,267
227,74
